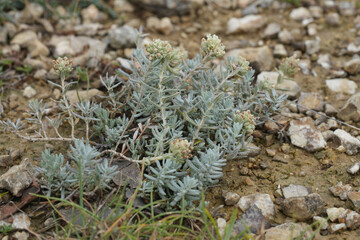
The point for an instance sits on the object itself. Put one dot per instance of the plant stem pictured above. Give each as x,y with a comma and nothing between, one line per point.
67,105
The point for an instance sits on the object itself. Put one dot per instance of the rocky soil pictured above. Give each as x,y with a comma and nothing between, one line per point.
305,167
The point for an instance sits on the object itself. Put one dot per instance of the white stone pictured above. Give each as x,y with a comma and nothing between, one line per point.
288,87
263,56
231,198
72,95
122,37
300,14
249,23
18,177
261,200
324,61
354,168
272,30
285,37
321,222
294,190
303,134
29,92
312,46
350,143
29,40
21,221
352,48
221,224
24,38
280,51
165,26
352,66
341,85
351,109
40,74
336,227
334,213
21,235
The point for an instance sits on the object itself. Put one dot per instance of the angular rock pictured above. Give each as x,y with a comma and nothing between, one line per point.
261,200
303,134
37,48
165,26
36,64
221,224
271,30
88,29
337,227
352,220
21,221
18,177
312,46
29,92
29,40
288,231
91,14
252,220
340,190
294,190
330,110
288,87
352,66
322,223
355,199
324,61
334,213
262,56
89,51
303,208
72,95
123,37
300,14
354,168
40,74
231,198
333,19
351,109
311,101
316,11
250,23
350,143
285,37
280,51
25,38
341,85
21,235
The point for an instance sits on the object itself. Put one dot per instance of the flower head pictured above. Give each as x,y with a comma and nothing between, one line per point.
63,65
289,66
158,49
247,119
243,65
181,149
212,46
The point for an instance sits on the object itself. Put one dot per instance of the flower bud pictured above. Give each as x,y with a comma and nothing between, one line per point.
62,65
289,66
247,119
212,46
181,150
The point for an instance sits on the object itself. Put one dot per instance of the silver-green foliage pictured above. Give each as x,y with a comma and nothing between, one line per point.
61,177
194,101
